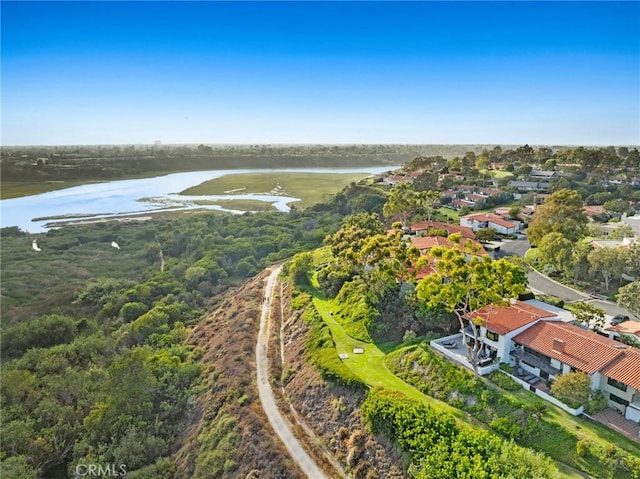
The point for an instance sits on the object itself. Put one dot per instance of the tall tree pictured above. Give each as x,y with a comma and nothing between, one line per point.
403,202
562,213
556,250
349,239
461,285
629,297
608,263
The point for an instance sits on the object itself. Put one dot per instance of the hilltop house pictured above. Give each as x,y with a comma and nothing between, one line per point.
541,344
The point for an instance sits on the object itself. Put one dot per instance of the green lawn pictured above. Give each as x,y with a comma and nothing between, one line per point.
311,188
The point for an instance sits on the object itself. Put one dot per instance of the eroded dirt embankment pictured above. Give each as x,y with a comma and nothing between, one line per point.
228,434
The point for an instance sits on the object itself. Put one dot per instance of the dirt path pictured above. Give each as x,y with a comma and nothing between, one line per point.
279,423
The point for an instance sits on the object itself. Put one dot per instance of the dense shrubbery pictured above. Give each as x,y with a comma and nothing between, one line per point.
510,417
503,381
439,448
101,375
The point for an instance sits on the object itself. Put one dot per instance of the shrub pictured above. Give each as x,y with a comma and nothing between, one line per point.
596,402
503,381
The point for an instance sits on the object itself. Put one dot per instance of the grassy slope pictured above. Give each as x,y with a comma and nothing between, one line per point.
311,188
371,367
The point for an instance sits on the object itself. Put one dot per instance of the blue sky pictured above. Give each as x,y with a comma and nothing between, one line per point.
320,72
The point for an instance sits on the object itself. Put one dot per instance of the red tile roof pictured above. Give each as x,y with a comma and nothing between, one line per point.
593,210
582,349
504,319
428,242
625,368
474,197
423,243
628,327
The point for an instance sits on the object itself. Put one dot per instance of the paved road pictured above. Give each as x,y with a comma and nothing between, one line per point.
278,422
539,282
543,284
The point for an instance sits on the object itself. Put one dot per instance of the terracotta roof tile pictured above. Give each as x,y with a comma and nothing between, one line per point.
423,243
625,368
581,349
504,319
628,327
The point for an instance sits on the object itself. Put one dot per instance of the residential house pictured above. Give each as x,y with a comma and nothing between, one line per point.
490,220
425,243
549,349
542,175
501,323
630,329
530,185
541,344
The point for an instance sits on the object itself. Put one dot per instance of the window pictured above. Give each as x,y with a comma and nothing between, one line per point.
535,353
492,336
619,400
617,384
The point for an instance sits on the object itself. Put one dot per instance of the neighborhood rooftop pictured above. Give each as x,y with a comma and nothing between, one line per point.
504,319
571,345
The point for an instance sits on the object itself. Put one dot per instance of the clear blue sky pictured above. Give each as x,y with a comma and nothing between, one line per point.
325,72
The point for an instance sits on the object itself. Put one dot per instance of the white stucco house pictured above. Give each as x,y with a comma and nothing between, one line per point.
541,344
490,220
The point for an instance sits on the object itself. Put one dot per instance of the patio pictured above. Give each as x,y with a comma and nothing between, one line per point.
453,348
616,421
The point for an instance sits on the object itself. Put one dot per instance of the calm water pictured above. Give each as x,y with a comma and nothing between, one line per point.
123,197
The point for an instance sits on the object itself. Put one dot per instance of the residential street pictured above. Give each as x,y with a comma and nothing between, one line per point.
540,283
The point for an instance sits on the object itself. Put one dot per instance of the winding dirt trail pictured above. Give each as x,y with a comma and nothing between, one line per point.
278,422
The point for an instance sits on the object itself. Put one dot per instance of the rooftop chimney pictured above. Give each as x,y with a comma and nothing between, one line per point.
558,345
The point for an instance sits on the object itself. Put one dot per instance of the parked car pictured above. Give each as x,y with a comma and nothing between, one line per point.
619,318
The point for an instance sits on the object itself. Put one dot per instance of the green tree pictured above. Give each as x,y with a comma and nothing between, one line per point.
402,204
629,297
556,250
622,231
460,286
514,212
616,206
486,234
562,213
427,181
132,311
607,263
301,268
588,315
632,260
573,387
355,230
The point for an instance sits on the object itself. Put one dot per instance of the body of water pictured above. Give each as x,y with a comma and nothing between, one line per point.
113,199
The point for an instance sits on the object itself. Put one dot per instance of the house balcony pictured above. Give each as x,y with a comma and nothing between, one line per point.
535,361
